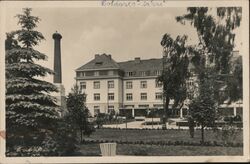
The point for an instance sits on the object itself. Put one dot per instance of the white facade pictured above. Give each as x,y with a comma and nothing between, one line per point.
109,85
141,95
129,87
110,96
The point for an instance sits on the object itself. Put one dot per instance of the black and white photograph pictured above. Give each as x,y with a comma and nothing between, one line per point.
115,81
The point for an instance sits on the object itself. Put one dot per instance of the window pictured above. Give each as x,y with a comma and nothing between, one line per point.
97,96
143,106
143,84
129,85
158,105
110,84
111,109
96,84
96,73
103,73
82,85
89,73
129,73
111,96
82,74
142,73
158,84
110,72
98,63
158,96
129,106
78,74
157,72
129,97
96,110
143,96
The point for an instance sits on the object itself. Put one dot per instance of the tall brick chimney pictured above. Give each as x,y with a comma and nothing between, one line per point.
57,58
57,80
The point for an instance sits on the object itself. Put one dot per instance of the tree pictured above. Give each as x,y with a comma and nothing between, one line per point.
217,40
175,71
31,112
203,108
78,111
234,82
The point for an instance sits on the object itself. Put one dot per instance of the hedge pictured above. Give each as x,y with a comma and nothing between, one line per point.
167,143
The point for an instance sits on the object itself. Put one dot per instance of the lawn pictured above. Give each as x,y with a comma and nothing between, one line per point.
93,149
156,150
162,135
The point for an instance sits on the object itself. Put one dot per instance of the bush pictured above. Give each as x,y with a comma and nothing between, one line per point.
139,152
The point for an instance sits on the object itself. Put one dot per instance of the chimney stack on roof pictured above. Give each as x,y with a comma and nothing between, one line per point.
109,56
137,60
97,55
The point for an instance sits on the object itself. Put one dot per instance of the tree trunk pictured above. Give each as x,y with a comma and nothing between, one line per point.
81,134
166,105
202,133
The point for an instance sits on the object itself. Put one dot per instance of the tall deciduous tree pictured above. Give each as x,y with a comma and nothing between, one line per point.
30,111
78,111
215,28
175,70
203,108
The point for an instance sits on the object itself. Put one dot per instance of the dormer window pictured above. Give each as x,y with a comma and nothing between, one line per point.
98,63
129,73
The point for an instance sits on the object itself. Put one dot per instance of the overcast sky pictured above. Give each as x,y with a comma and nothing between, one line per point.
125,33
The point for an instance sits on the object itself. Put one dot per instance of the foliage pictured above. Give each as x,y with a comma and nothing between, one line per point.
203,108
215,28
101,119
31,112
78,112
227,134
234,82
175,71
66,137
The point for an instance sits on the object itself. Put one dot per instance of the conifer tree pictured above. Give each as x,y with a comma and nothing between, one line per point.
31,112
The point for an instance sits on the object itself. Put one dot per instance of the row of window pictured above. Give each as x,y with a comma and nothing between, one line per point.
144,73
143,84
129,96
129,84
112,109
97,109
144,96
96,73
111,72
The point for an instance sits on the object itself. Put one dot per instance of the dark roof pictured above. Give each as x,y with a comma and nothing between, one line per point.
141,65
136,66
103,61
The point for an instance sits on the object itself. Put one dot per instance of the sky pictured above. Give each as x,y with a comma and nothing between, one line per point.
125,33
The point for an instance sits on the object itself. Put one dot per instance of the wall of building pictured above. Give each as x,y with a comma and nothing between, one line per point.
136,91
104,102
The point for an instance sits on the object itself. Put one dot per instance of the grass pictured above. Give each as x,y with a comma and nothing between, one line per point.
92,149
155,150
161,135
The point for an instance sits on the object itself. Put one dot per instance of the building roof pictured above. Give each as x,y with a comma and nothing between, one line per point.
103,61
141,65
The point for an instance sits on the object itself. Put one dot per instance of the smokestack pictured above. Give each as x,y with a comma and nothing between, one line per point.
57,58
